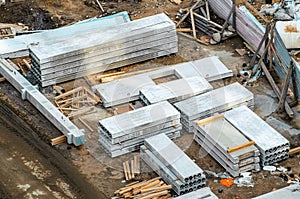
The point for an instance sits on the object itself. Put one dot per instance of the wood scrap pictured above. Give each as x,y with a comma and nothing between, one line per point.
80,112
294,150
85,124
58,140
184,30
2,79
100,6
210,119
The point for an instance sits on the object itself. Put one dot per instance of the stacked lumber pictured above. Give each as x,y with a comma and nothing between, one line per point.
272,145
200,193
132,168
120,45
124,133
154,188
76,102
227,145
215,101
175,91
172,164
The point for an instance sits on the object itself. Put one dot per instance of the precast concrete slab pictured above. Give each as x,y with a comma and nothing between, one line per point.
201,193
289,192
127,89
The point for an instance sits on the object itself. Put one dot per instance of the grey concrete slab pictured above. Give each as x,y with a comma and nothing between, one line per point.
127,89
173,157
224,136
201,193
49,51
18,46
137,119
176,90
225,98
126,54
270,142
289,192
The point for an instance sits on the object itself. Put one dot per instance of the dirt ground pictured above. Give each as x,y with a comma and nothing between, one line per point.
88,172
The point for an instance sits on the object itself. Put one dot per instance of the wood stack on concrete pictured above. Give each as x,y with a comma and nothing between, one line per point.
127,89
227,145
272,145
97,51
125,133
172,164
215,101
204,192
175,91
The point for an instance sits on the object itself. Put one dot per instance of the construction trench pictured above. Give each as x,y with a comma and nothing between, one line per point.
104,118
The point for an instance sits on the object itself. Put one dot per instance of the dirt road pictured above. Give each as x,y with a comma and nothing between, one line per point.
32,169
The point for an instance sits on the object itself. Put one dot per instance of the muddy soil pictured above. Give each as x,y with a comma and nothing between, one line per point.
29,166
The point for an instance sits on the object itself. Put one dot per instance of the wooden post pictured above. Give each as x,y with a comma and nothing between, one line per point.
285,89
193,23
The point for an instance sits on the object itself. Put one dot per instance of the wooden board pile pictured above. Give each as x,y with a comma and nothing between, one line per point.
227,145
175,91
124,133
150,189
272,145
97,51
76,102
172,164
215,101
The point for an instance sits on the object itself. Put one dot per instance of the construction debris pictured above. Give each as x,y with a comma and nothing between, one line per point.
124,133
120,45
73,102
227,145
272,145
215,101
172,164
154,188
128,89
6,32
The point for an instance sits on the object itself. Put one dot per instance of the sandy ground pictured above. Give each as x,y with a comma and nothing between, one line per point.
97,170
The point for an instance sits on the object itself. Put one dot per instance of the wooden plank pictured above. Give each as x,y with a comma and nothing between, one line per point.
184,30
2,79
58,140
156,189
85,124
294,150
210,119
285,87
240,146
125,171
13,64
158,194
71,92
193,23
110,74
187,14
128,170
80,112
132,168
27,64
93,95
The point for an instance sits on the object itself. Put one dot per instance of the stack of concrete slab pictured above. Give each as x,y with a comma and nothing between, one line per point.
200,193
97,51
172,164
175,91
215,101
216,135
128,89
125,133
272,145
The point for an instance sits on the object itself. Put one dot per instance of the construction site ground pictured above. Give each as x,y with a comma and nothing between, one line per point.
31,168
